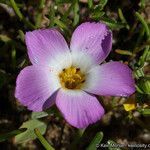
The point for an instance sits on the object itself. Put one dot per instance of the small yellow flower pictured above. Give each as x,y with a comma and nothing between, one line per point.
130,104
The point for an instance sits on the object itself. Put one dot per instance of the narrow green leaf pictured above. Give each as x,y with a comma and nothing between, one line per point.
113,145
76,13
8,135
144,85
16,9
13,57
138,90
20,15
145,112
7,2
29,133
60,24
96,140
90,3
123,52
145,55
42,4
112,23
63,1
123,18
36,115
139,73
51,111
144,23
142,4
51,16
38,17
21,35
66,14
97,14
138,47
102,4
5,38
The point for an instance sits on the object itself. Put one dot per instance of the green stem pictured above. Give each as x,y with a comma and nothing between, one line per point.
43,141
20,15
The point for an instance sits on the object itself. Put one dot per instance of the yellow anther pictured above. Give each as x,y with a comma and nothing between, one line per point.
71,78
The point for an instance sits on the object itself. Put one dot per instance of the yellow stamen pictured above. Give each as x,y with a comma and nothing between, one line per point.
71,78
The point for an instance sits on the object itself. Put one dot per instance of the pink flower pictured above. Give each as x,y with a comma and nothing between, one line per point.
71,77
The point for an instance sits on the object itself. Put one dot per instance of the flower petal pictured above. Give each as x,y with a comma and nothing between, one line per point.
93,39
79,108
44,45
113,78
82,60
34,87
